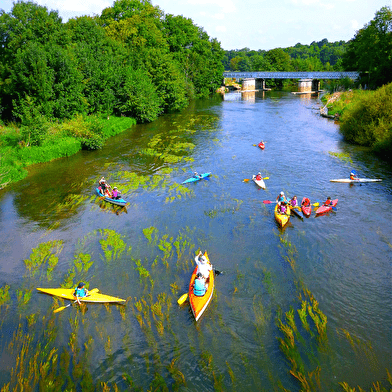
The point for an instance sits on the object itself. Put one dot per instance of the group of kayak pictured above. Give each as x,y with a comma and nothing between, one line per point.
201,289
284,208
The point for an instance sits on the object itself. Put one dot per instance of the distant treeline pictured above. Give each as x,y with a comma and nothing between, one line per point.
318,56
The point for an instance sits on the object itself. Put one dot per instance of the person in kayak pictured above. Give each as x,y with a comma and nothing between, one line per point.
282,208
281,198
197,175
353,175
293,201
305,202
203,267
80,292
199,285
328,202
258,176
116,194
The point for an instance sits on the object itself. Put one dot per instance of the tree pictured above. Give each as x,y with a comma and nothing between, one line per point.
370,51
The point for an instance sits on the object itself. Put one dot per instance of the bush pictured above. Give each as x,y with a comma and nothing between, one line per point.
368,120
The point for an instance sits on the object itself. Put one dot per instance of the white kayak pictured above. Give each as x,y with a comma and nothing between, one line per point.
347,180
260,183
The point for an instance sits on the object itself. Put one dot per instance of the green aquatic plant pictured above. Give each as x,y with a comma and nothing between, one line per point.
343,156
149,231
4,294
23,297
46,252
82,262
112,244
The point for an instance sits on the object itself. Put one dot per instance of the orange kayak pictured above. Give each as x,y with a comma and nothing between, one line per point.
199,304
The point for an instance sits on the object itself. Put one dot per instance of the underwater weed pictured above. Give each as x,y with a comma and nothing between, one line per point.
45,252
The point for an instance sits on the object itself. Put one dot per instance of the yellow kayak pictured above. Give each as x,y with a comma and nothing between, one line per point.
282,219
93,297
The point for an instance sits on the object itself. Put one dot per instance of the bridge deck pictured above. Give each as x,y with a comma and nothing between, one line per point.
291,75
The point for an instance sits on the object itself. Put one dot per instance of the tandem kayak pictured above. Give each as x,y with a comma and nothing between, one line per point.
194,178
94,297
306,207
260,182
348,181
282,219
199,304
323,209
117,202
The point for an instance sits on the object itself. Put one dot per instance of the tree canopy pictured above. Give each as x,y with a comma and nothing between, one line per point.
370,51
131,60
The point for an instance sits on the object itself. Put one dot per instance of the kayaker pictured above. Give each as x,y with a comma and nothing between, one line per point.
203,267
353,175
305,202
281,198
258,176
282,208
199,285
116,194
80,292
328,202
197,175
293,201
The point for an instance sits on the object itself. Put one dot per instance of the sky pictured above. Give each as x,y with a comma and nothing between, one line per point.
253,24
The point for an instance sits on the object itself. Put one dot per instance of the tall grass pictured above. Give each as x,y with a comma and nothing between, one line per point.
19,149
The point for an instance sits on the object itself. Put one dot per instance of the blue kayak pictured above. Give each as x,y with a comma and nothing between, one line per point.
118,202
194,178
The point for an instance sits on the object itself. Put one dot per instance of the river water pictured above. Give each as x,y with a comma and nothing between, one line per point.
308,306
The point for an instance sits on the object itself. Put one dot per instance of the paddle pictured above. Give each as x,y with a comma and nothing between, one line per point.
63,307
247,179
184,297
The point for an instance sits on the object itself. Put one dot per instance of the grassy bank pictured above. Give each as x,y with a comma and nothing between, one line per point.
365,117
52,141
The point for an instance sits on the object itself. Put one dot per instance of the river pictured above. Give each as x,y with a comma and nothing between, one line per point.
308,306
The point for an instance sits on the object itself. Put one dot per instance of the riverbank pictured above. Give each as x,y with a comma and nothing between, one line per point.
61,140
365,117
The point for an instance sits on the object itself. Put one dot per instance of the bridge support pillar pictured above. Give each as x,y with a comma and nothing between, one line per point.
315,85
248,85
260,84
305,85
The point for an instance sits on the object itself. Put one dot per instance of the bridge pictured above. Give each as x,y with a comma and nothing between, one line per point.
308,81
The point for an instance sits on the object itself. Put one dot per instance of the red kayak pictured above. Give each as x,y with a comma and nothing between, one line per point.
306,207
323,209
261,145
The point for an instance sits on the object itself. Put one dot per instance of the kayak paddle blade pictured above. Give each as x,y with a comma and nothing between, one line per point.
182,299
61,309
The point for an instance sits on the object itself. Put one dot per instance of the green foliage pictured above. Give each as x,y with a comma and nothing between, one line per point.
370,51
367,120
318,56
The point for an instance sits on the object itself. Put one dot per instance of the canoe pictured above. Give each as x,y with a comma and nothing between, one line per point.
260,183
348,181
306,209
261,145
199,304
282,219
68,294
117,202
323,209
194,179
